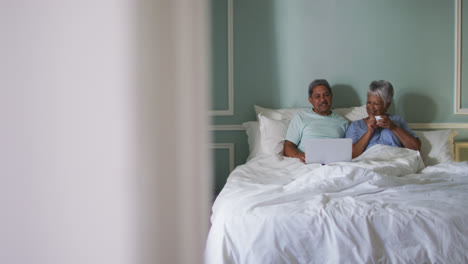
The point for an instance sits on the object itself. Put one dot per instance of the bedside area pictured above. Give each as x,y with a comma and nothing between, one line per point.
461,151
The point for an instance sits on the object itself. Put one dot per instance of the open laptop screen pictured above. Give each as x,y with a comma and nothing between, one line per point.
328,150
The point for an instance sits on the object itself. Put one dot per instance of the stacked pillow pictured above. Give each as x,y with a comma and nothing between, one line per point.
266,136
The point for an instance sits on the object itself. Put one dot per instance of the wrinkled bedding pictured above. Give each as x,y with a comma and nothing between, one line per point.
383,207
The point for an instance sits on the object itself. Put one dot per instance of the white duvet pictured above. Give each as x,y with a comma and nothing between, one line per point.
383,207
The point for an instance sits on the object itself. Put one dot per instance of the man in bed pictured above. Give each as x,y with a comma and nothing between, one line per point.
317,122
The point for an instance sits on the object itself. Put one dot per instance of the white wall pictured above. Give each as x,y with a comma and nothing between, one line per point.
72,150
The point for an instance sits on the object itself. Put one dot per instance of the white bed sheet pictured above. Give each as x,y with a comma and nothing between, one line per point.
384,207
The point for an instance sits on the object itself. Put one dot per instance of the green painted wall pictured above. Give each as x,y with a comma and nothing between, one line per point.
464,66
221,168
280,46
464,154
219,59
221,156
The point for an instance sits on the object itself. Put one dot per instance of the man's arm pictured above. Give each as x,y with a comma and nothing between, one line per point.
290,150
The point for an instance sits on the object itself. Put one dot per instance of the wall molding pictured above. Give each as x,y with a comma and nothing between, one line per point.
458,53
458,147
226,127
230,147
230,41
411,125
438,125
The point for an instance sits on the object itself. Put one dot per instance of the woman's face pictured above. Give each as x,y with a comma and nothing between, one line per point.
375,106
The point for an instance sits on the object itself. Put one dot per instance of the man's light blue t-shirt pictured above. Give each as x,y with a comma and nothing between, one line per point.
382,136
308,124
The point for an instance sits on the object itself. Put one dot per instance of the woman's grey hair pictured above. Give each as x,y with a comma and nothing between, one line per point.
382,89
318,82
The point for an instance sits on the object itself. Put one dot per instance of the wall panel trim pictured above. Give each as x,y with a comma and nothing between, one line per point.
230,147
226,127
230,41
412,125
458,147
458,57
438,125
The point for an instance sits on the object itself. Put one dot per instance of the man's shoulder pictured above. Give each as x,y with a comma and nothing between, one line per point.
305,113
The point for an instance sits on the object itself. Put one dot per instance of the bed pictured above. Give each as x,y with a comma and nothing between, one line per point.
390,205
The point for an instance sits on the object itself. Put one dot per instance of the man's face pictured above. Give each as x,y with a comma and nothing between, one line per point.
321,99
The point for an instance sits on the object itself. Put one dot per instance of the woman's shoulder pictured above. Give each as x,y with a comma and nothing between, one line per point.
394,117
358,123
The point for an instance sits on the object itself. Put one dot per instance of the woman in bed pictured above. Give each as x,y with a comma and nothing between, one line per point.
381,127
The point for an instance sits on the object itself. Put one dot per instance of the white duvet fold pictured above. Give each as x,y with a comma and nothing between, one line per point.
383,207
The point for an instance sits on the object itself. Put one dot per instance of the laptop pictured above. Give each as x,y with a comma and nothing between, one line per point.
328,150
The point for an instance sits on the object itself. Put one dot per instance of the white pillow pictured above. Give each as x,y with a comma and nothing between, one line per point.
350,113
436,146
273,133
277,114
252,128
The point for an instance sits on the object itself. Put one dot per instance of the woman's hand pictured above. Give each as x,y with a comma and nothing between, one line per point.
361,144
386,123
371,124
406,139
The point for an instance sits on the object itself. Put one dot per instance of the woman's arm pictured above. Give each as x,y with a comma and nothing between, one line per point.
290,150
361,144
406,139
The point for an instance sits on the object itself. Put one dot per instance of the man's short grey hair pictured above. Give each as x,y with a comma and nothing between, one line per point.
319,82
382,89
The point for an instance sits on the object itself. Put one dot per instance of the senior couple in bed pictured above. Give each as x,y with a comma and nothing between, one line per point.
379,127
